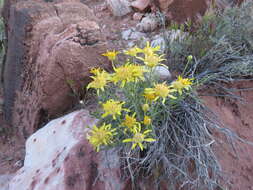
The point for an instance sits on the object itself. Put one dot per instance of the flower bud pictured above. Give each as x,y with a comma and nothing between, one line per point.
145,107
189,58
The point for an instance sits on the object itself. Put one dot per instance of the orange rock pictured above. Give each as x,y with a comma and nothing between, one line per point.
55,46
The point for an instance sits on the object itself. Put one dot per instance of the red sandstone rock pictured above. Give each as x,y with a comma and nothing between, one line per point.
181,10
55,46
164,4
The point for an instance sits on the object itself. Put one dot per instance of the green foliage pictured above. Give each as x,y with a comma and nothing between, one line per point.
222,46
1,3
186,26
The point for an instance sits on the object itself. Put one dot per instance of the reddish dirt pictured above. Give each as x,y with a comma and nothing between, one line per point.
238,117
12,149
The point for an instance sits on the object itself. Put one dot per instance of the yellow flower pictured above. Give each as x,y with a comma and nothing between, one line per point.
128,73
163,91
133,51
139,138
181,83
148,50
113,108
95,71
147,120
149,94
145,107
138,72
152,60
99,80
111,55
101,136
130,122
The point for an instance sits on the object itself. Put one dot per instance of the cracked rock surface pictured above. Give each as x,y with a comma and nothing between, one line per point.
55,45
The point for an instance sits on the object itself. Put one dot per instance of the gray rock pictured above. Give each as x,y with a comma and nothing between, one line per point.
130,44
132,34
162,73
4,181
126,34
148,23
137,35
119,7
159,40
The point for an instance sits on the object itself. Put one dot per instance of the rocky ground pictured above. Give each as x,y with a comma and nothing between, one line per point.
115,32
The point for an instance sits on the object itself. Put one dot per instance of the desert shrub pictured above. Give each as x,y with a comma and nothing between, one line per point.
132,97
161,129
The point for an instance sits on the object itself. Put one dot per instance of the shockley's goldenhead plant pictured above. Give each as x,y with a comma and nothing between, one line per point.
130,98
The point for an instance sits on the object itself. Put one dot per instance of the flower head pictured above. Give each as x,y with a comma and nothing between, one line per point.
139,138
147,120
100,79
102,135
128,73
130,122
111,55
162,90
152,60
113,108
181,83
138,72
133,51
148,50
149,94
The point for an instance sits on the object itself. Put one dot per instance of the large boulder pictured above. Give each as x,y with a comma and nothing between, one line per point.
51,48
181,10
58,157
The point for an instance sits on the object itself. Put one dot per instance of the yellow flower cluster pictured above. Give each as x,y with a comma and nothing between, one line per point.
128,73
130,112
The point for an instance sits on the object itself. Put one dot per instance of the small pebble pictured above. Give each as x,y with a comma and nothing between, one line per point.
162,72
138,16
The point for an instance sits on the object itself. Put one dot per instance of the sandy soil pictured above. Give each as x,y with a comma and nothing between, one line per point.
238,117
